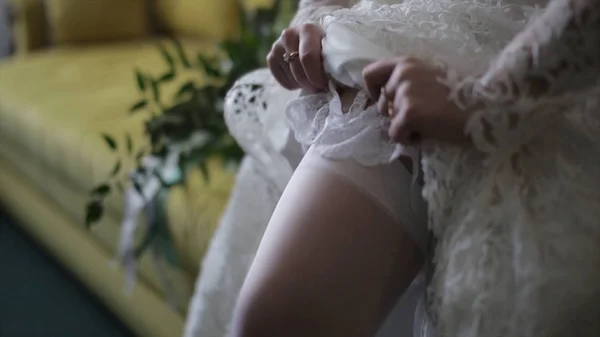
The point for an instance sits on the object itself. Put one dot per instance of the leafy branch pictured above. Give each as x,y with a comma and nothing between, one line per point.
194,121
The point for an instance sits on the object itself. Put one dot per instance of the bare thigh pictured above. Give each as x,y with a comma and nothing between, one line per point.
332,263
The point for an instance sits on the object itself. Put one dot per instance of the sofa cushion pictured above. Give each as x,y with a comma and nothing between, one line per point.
76,21
209,19
53,107
65,199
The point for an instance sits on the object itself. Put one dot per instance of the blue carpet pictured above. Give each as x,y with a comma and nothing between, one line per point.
38,298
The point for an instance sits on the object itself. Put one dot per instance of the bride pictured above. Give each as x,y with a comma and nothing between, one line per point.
496,102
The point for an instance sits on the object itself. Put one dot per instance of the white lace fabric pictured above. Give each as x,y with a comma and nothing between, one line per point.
517,217
441,32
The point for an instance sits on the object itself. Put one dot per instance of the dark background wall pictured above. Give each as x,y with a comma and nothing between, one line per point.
4,33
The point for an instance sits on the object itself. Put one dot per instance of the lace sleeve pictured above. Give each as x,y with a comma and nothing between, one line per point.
311,11
558,54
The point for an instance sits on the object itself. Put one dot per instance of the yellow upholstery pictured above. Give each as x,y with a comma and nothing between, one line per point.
251,5
70,96
211,19
66,200
144,311
55,102
75,21
53,107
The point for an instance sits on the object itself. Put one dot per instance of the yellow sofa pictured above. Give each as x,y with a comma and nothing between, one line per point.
57,94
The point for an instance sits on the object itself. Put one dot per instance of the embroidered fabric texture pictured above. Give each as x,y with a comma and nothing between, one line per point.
517,218
453,33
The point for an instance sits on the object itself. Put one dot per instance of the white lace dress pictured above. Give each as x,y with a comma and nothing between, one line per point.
517,216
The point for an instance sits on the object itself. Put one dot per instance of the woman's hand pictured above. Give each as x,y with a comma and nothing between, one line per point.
304,66
409,91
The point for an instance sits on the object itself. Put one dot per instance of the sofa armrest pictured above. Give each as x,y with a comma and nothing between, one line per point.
28,25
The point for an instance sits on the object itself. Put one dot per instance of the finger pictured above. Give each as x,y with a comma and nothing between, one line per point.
405,114
284,65
396,81
393,97
385,104
376,75
291,43
281,72
399,131
399,98
310,55
291,81
402,131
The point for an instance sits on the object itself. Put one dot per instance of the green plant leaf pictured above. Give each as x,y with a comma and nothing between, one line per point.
155,91
129,143
141,81
139,105
110,141
139,155
167,77
167,56
205,173
187,88
116,169
101,191
208,66
94,211
181,53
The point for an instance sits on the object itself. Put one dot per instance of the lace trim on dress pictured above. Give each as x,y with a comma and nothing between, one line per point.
454,33
319,121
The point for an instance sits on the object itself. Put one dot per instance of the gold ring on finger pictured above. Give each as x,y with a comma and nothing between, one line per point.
289,57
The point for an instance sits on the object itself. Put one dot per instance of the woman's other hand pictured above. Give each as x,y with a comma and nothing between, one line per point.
410,92
301,46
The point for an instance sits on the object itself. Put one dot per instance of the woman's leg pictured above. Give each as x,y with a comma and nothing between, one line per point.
333,260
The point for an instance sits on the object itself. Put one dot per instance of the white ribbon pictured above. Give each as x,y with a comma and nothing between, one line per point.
136,201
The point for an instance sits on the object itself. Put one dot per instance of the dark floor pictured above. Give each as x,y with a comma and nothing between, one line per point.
40,299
